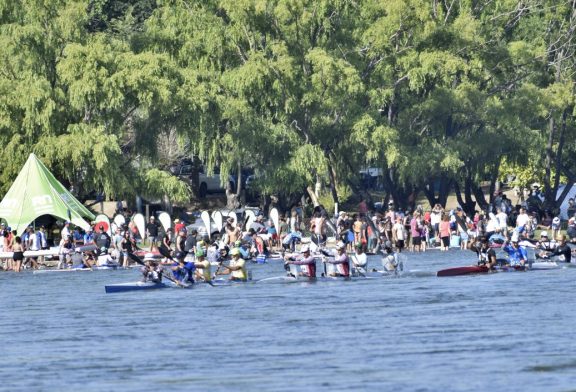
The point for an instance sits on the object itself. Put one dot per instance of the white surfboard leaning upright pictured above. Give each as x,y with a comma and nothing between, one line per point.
275,217
250,218
234,217
119,220
165,220
205,216
218,220
139,221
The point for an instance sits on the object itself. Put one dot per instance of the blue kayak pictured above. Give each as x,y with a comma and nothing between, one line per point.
133,286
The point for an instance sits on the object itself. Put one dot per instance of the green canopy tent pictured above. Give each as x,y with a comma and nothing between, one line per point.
36,192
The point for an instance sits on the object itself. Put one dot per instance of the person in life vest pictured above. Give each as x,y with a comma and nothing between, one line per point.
545,244
390,261
561,253
151,271
339,260
516,253
486,255
359,260
203,266
236,268
306,262
183,271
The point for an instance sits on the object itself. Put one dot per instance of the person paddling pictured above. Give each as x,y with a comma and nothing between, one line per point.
339,260
305,260
486,255
151,271
203,267
236,268
390,258
516,253
359,260
563,252
183,272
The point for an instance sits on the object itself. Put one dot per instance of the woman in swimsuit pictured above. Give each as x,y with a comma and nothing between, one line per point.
18,255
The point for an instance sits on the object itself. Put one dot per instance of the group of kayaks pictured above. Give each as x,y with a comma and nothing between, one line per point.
293,276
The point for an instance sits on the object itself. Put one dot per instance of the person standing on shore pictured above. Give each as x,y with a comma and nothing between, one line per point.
444,230
152,229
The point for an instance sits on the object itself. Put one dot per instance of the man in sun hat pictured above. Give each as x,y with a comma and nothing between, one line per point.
305,260
546,244
236,268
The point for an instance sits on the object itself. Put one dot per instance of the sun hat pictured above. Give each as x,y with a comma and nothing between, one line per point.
305,249
544,234
235,252
340,245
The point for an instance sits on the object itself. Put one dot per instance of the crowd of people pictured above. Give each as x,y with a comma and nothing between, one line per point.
392,231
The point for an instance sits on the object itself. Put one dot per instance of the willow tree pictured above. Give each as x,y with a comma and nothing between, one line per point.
82,100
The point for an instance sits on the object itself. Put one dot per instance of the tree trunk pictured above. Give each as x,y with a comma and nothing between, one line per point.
332,177
494,180
548,161
479,196
558,162
239,181
312,195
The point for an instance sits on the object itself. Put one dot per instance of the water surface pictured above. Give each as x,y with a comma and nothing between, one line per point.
504,332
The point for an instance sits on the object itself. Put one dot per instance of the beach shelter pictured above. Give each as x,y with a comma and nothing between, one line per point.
36,192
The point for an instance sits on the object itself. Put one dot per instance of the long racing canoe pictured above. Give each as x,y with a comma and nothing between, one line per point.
133,286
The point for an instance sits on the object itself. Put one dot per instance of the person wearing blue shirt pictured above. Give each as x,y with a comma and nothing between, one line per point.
89,236
517,254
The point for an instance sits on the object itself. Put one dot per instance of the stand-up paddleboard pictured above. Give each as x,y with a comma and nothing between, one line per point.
218,220
119,220
275,217
140,223
457,271
206,220
249,219
32,253
234,217
165,220
104,221
86,248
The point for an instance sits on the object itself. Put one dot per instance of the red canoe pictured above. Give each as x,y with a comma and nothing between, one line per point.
456,271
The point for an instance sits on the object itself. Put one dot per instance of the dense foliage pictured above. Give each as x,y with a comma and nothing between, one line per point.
438,94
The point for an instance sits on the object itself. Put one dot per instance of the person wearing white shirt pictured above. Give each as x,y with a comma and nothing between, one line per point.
523,219
502,219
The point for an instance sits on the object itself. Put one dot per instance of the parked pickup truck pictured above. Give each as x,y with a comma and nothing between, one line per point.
206,184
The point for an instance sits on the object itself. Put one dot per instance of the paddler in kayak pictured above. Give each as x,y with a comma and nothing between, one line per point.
339,260
236,268
183,272
516,253
151,271
305,260
562,252
390,260
486,255
203,267
359,260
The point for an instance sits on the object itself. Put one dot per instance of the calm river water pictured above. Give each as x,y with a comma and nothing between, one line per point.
498,332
